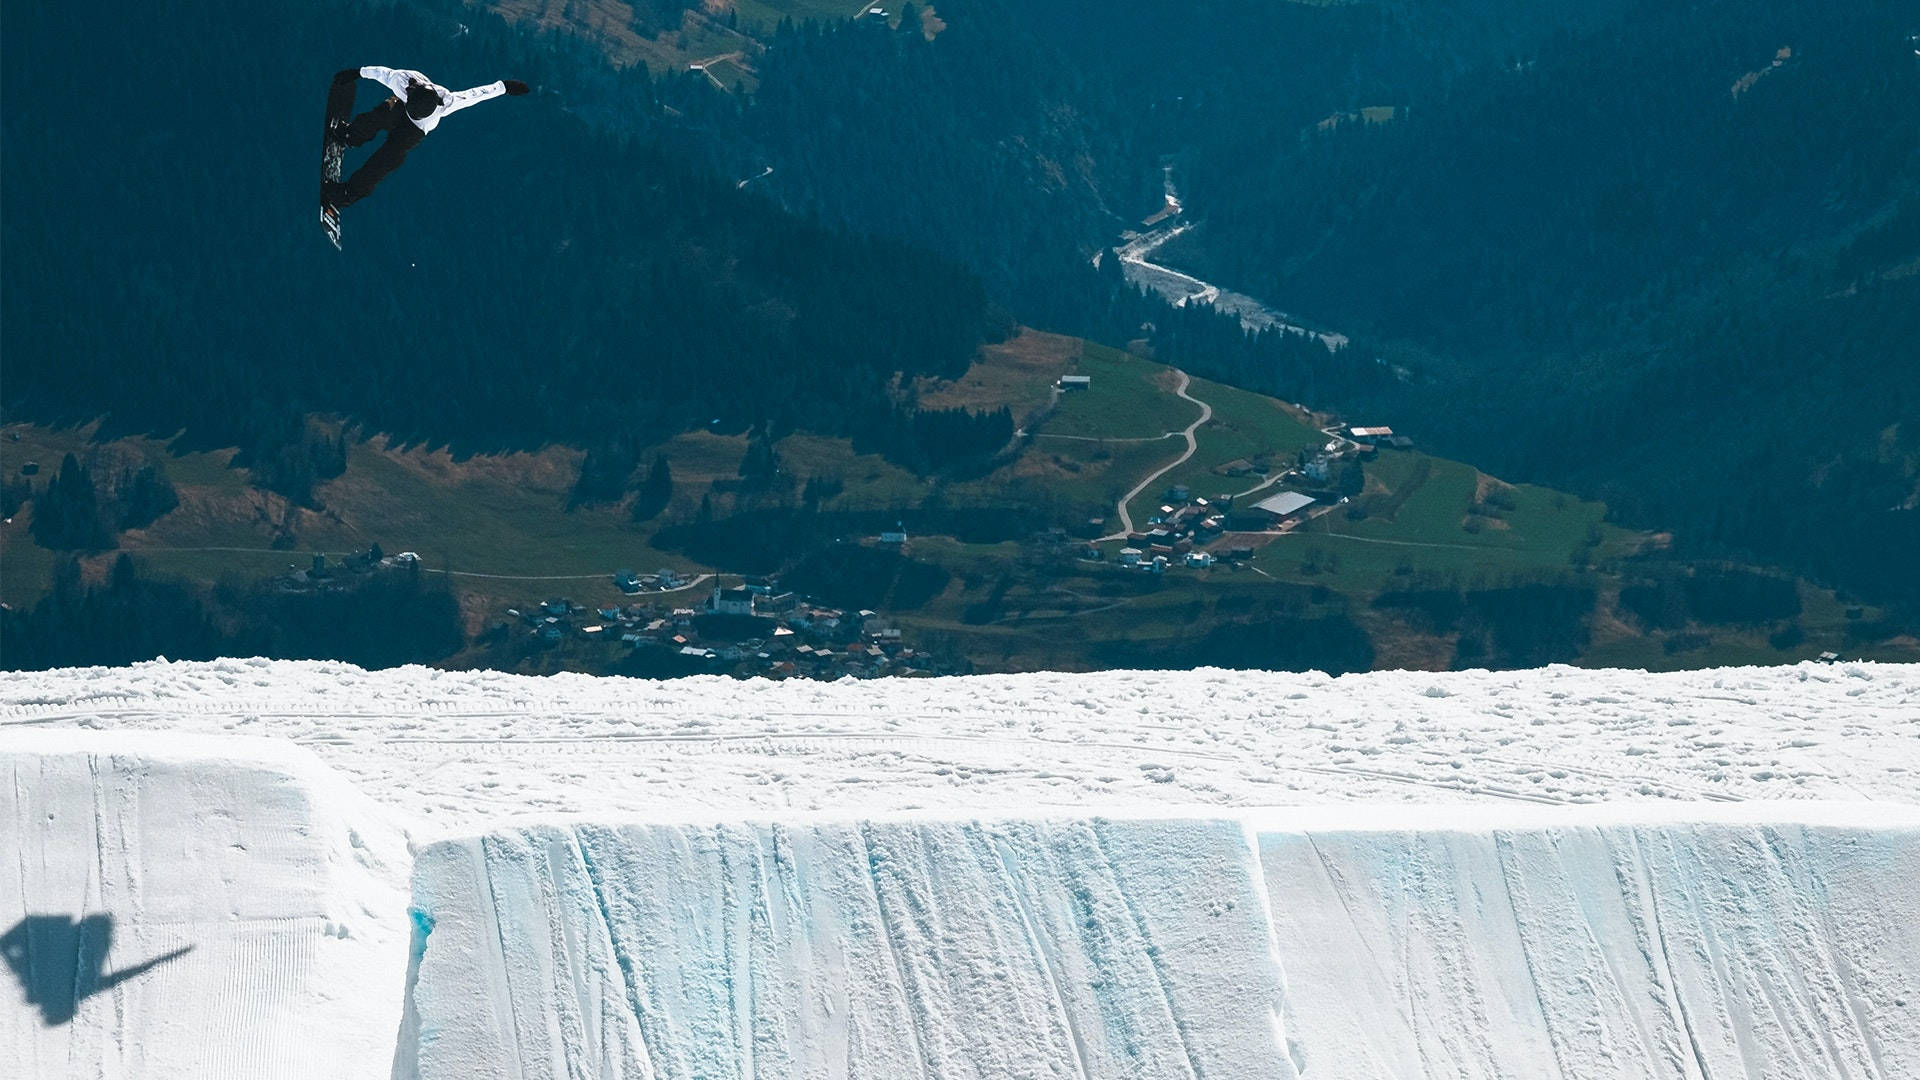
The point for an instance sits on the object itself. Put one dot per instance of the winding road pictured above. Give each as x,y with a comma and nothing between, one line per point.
1206,414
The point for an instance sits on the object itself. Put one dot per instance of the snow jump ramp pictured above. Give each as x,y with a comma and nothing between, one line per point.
175,901
193,906
1749,941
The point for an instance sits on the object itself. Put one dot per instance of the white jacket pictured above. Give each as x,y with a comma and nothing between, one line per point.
398,79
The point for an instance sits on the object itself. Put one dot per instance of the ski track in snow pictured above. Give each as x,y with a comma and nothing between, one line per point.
1556,873
457,750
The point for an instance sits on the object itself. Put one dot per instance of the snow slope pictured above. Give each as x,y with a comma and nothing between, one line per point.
1751,941
1754,945
240,852
1557,873
862,949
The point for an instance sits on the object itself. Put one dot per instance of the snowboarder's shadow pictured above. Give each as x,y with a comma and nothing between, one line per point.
59,961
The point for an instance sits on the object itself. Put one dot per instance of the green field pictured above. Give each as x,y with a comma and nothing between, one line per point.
1019,374
501,516
1418,506
1244,425
1057,618
763,15
1129,398
1427,500
502,523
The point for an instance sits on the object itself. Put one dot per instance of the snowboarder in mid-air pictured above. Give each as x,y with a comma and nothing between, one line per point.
415,109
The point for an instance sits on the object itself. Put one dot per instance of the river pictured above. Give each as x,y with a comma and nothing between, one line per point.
1136,251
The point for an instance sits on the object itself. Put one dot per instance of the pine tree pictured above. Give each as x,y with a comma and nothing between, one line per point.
760,465
656,491
67,515
145,496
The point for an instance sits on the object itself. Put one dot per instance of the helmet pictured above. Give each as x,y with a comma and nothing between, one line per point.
422,100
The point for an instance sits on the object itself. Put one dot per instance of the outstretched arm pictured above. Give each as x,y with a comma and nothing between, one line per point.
462,98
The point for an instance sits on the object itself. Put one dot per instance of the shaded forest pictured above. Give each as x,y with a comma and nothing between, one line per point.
1568,196
525,277
375,620
1704,217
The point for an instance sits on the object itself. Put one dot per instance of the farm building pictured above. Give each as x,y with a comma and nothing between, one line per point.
1280,507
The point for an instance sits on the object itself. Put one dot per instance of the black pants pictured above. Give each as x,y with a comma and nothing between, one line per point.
389,116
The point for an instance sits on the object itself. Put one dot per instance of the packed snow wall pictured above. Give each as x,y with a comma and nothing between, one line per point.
1669,949
1435,918
897,949
187,906
1412,946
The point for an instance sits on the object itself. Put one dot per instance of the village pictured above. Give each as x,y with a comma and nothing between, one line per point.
1196,531
695,623
753,629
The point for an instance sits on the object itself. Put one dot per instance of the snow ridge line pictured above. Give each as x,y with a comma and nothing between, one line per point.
47,712
1276,1009
1151,951
907,997
1844,971
736,948
622,958
488,847
1509,870
1043,951
1674,990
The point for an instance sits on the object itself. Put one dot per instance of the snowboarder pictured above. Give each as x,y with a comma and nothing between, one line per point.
416,107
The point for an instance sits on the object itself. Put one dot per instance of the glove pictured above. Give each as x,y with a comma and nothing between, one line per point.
516,87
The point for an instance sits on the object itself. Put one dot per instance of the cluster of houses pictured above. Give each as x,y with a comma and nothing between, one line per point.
1193,531
1189,530
1176,532
665,581
755,629
323,572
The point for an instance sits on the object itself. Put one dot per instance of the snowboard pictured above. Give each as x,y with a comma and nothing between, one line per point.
333,149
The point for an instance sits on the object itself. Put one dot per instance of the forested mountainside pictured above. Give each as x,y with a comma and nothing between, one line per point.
525,277
1671,261
1702,218
1024,136
1693,216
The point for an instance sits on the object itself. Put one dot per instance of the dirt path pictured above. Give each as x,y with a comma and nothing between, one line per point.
1206,414
428,569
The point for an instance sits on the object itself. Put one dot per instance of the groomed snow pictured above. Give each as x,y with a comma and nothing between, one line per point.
455,750
1732,941
1558,873
866,949
282,885
1685,949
